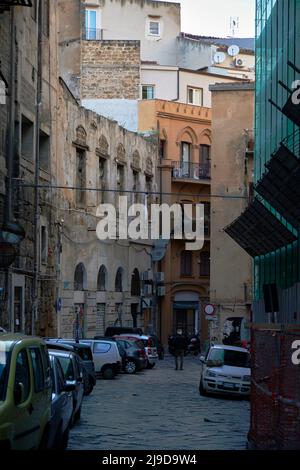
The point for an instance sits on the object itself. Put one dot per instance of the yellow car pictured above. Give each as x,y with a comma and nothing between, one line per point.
25,392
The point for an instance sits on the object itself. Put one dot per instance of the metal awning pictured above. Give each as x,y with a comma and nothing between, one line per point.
280,186
258,231
15,3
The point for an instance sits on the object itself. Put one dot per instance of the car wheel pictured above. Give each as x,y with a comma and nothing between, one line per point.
89,388
108,373
130,367
150,366
202,390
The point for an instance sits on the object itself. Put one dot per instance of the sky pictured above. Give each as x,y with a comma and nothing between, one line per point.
212,17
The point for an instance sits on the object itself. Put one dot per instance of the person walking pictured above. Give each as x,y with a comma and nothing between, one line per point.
178,346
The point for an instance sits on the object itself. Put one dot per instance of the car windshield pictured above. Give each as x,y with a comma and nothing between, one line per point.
67,367
4,367
230,357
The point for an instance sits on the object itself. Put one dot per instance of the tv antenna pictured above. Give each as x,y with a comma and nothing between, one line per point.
234,24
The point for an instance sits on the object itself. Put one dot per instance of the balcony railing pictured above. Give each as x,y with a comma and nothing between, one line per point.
189,170
93,34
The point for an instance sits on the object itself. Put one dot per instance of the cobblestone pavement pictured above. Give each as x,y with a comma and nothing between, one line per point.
159,409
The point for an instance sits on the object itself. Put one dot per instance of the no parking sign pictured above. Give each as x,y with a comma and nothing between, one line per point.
210,311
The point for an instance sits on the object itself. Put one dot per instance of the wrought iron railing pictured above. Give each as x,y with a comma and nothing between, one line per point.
93,34
189,170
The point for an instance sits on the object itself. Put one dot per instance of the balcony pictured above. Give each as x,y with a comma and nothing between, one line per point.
190,171
93,34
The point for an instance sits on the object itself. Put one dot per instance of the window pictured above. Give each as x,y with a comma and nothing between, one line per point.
102,179
119,281
80,177
148,92
136,187
101,281
92,29
154,28
206,219
204,167
44,142
38,370
135,283
22,373
195,96
120,180
27,138
46,17
67,367
204,264
80,277
101,347
185,158
162,148
44,244
186,263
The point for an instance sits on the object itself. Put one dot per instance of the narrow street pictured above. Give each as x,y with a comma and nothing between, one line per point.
159,409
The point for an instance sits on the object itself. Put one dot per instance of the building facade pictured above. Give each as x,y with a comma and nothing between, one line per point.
185,178
28,150
269,229
100,280
231,186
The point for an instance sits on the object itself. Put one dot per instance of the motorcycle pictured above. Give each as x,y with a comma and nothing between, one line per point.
193,345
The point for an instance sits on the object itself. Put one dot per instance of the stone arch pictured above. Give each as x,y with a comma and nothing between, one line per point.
119,280
190,133
135,283
103,146
136,160
102,278
205,137
81,135
121,154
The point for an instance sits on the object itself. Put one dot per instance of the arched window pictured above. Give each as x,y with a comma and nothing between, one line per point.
186,263
204,263
80,279
135,283
121,153
119,281
103,146
101,281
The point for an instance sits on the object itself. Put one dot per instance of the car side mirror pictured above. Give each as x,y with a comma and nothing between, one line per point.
202,359
69,387
19,393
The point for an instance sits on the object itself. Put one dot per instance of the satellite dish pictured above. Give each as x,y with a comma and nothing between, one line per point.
219,57
233,50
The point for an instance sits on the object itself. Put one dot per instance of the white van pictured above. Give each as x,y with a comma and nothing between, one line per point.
106,356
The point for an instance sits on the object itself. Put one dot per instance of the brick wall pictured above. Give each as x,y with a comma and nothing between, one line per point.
275,393
110,69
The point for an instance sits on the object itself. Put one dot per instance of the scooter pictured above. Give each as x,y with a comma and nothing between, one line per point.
193,346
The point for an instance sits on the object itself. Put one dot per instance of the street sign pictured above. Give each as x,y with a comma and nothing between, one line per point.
159,250
209,311
58,305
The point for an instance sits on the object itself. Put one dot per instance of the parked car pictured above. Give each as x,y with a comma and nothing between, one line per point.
149,345
25,392
118,330
136,358
61,408
85,354
2,330
226,370
107,359
159,347
70,364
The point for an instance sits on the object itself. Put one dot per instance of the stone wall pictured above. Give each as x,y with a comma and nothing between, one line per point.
110,69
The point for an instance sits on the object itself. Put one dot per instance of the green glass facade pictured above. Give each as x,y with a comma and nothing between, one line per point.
277,42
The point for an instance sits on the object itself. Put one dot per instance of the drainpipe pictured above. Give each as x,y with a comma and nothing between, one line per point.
37,167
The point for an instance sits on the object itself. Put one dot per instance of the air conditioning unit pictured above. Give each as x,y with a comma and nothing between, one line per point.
239,62
161,291
147,290
160,277
147,275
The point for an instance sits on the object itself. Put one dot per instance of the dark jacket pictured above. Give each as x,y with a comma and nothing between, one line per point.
177,343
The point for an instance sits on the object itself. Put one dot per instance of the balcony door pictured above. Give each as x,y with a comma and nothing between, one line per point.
91,24
185,159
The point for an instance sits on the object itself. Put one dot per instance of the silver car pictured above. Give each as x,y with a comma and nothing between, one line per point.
61,407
